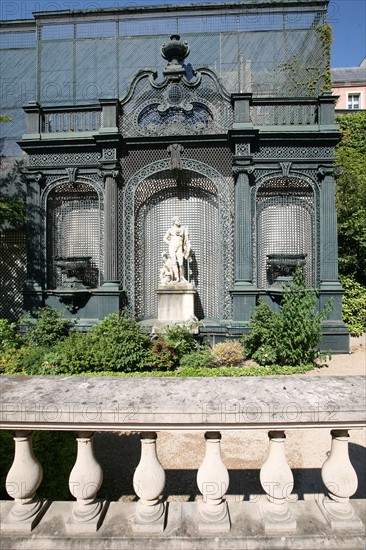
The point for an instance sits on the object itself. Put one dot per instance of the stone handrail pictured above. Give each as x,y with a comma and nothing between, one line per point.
212,405
105,404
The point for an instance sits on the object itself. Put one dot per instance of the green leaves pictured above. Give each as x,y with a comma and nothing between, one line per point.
351,195
291,335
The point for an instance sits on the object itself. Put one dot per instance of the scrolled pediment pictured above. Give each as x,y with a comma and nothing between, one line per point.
176,106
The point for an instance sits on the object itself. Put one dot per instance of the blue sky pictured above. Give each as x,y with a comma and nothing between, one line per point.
348,18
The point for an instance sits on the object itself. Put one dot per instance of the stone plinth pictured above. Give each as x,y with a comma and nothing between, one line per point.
176,302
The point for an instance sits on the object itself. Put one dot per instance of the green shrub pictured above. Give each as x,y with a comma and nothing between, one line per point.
11,360
116,344
33,359
163,355
9,339
228,354
197,359
291,335
120,343
171,345
264,327
354,305
265,355
47,327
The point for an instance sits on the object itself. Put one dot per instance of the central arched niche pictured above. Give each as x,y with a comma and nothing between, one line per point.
194,198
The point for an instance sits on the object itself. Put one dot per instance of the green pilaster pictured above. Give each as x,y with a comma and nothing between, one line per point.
33,293
243,294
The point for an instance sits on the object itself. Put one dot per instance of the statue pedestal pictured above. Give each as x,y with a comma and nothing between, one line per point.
176,301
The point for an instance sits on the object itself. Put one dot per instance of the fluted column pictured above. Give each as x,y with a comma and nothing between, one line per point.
277,482
149,482
111,227
213,483
84,482
340,479
22,482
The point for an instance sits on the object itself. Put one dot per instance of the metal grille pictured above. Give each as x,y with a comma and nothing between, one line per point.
195,200
285,227
205,199
12,273
74,229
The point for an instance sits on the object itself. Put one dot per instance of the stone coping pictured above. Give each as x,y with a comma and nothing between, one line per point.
144,404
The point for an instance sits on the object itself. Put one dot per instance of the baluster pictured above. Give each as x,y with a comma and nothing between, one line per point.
149,482
277,481
84,482
22,482
213,483
340,479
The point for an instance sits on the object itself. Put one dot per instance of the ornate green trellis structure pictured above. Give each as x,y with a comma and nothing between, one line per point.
233,134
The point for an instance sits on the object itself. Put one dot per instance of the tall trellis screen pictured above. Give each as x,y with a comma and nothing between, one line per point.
74,228
12,273
285,229
203,197
193,198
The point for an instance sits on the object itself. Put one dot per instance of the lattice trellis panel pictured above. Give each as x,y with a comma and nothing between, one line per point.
195,200
205,200
12,273
285,215
74,228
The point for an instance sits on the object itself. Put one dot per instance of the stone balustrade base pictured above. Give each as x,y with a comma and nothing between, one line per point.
182,532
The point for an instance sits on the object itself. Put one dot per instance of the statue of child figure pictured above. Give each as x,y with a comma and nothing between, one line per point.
166,272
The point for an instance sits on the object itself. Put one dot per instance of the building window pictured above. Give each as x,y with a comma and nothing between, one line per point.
353,101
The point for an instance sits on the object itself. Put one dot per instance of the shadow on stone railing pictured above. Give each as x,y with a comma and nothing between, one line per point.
276,404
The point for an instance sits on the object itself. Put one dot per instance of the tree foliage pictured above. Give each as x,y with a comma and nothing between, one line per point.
291,335
351,195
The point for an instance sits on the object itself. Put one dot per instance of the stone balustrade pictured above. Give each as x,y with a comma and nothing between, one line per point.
211,406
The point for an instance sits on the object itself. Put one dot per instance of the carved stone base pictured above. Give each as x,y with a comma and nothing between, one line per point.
149,521
277,518
24,518
340,515
216,520
88,520
176,302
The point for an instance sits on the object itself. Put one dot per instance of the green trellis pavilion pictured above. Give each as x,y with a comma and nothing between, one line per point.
127,117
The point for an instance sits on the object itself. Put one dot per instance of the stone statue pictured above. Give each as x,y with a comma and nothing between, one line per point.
166,272
177,239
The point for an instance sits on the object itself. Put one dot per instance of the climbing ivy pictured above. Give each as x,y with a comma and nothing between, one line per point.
351,195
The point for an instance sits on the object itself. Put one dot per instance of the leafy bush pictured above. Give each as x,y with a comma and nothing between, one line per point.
32,360
264,327
11,360
197,359
291,335
171,345
228,354
48,328
9,339
265,355
117,343
354,305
